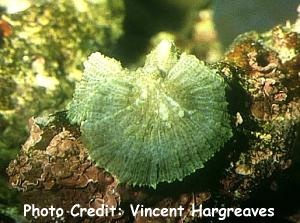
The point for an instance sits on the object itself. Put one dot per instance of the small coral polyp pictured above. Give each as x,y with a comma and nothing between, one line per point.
158,123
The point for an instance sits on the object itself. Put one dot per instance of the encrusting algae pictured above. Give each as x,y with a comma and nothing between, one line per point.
158,123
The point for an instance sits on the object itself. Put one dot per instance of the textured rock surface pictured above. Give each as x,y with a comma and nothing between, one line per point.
270,110
53,163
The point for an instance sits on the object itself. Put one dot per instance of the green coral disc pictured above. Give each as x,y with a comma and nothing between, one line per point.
156,124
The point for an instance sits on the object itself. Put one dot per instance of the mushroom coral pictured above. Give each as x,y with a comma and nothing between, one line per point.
158,123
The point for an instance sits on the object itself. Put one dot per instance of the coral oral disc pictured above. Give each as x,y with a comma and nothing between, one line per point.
158,123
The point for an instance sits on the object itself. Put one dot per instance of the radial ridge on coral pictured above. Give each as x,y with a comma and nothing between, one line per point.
158,123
